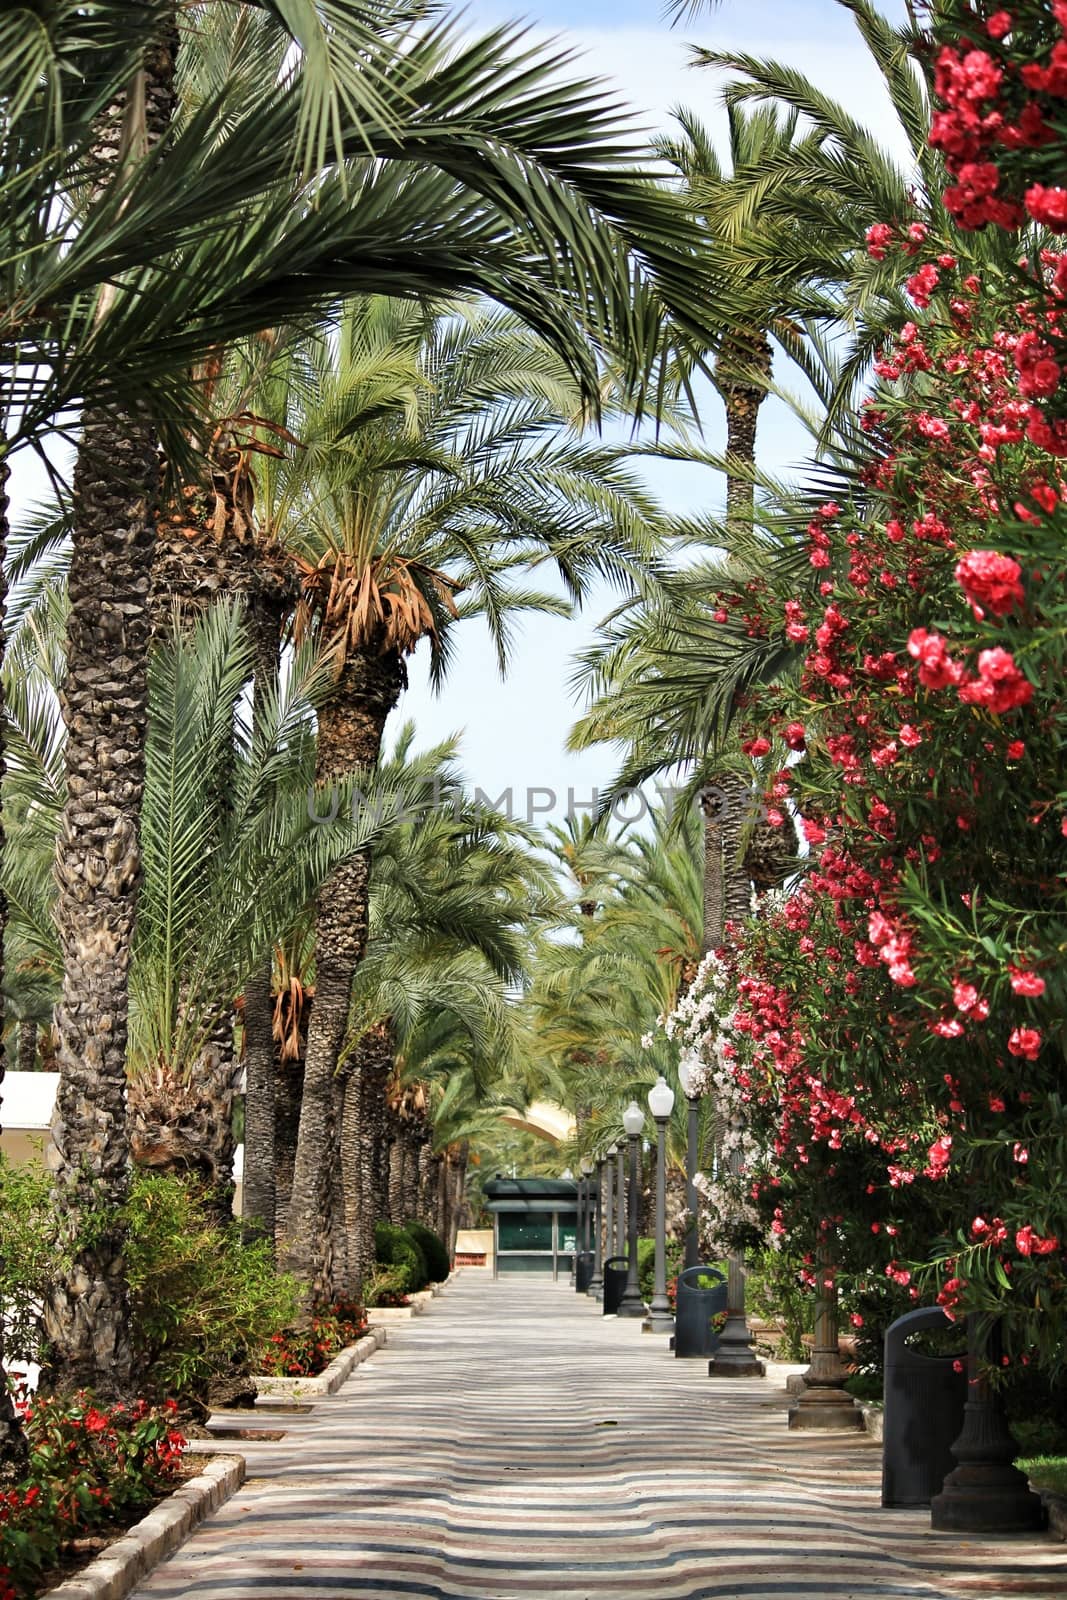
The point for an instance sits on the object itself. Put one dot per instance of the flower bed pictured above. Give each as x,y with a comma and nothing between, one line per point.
91,1472
305,1352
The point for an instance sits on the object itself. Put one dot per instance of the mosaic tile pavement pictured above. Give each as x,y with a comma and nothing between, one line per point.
512,1444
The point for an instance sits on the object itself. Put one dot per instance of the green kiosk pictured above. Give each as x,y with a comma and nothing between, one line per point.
535,1224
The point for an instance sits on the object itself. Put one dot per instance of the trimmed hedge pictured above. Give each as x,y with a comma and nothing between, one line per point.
395,1247
433,1250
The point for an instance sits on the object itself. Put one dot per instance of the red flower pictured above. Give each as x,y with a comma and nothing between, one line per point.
1026,982
1000,686
1025,1042
990,580
936,668
1029,1243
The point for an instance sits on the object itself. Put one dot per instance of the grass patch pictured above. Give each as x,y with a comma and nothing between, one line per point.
1045,1472
865,1386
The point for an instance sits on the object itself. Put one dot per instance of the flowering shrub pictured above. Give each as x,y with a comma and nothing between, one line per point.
91,1469
305,1352
896,1040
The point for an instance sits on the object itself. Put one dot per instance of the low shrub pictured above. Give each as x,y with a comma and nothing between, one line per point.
433,1250
394,1247
385,1287
91,1470
205,1305
29,1260
774,1293
646,1267
1045,1472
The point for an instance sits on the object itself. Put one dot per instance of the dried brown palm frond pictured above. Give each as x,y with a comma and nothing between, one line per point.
381,604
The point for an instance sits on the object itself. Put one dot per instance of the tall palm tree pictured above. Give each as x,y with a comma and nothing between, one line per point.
440,460
457,899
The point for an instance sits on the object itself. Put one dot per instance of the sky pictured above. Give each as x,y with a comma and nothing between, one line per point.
514,732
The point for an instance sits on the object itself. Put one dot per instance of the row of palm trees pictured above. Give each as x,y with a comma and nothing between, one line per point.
299,424
175,183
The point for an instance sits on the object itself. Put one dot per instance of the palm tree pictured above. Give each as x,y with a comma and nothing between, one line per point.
457,898
439,461
595,1001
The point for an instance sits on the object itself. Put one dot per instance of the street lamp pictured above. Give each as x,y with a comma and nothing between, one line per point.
686,1077
587,1225
609,1203
735,1357
661,1104
633,1121
620,1198
579,1238
596,1283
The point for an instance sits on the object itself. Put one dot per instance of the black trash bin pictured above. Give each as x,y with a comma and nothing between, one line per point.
583,1270
615,1270
924,1401
697,1304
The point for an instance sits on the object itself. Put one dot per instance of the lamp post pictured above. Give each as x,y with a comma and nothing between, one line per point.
661,1104
692,1101
568,1177
985,1491
596,1283
825,1402
609,1204
735,1357
633,1121
587,1233
620,1199
579,1233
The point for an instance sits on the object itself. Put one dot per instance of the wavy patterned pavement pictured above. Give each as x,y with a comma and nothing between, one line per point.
511,1442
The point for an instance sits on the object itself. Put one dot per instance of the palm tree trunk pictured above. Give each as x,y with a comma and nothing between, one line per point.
364,1093
258,1196
425,1183
12,1441
98,861
742,377
440,1210
350,737
288,1089
414,1142
713,870
27,1056
459,1195
219,1075
98,867
396,1173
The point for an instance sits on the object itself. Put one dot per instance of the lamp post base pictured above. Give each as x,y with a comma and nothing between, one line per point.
738,1366
596,1289
735,1357
660,1319
825,1410
631,1307
986,1493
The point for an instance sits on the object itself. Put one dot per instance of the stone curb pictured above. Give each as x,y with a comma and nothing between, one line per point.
330,1380
1056,1509
873,1420
118,1569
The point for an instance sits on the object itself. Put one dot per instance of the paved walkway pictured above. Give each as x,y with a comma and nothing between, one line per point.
510,1442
